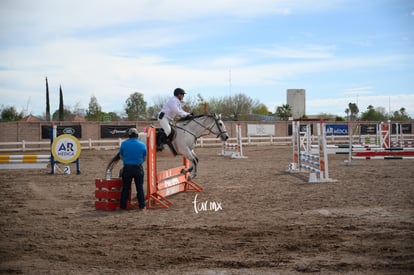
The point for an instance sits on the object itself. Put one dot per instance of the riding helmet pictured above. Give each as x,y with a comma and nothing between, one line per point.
179,91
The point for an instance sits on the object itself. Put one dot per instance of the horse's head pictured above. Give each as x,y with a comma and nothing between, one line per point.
219,128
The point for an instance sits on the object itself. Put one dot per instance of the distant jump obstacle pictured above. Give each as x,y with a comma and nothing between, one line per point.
304,161
385,151
160,184
381,146
234,150
64,149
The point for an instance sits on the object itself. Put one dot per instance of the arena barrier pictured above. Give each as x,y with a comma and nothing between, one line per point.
303,161
165,183
234,150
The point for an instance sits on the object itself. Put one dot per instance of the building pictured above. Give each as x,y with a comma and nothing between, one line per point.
296,99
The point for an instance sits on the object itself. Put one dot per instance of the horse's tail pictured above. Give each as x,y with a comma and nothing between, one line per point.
113,162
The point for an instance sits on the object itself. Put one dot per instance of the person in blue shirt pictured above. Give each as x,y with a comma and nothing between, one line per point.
133,153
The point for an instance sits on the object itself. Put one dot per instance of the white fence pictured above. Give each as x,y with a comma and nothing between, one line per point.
103,144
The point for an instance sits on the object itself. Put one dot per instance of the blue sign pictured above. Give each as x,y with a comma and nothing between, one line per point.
336,130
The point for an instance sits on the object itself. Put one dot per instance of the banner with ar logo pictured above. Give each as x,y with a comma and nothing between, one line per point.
66,148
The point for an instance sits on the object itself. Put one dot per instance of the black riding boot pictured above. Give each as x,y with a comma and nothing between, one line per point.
170,137
161,140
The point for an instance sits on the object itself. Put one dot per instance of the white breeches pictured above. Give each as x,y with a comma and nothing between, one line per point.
165,124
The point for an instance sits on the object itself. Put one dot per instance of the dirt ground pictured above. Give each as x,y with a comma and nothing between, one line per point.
268,222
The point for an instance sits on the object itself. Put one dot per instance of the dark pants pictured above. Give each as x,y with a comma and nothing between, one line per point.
136,173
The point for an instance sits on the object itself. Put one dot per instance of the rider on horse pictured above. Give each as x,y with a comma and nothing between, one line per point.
169,111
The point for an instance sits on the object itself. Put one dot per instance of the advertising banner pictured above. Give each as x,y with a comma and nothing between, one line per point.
406,128
74,130
368,129
302,128
115,131
336,129
261,130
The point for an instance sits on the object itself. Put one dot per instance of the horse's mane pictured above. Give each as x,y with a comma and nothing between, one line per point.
192,117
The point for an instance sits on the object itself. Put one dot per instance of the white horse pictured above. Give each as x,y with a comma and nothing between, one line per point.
188,130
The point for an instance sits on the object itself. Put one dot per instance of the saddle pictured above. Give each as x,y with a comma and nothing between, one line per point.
163,139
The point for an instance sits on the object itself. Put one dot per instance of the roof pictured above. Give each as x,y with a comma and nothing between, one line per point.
31,118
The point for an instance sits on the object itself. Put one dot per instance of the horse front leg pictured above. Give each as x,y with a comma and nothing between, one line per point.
193,166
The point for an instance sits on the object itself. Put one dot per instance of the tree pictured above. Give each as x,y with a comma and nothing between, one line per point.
61,107
153,110
260,109
373,114
136,107
400,115
65,115
191,104
347,113
94,112
216,105
237,106
202,106
78,110
353,109
284,112
9,113
47,102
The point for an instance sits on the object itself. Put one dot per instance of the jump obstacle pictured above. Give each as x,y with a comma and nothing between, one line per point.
385,151
303,161
165,183
381,146
20,162
160,184
234,150
24,161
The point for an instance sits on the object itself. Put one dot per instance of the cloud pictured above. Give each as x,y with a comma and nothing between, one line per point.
338,105
359,90
111,49
305,52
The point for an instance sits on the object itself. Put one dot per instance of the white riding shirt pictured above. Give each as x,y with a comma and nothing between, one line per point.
173,108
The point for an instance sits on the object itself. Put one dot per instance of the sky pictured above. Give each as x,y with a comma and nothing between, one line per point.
339,51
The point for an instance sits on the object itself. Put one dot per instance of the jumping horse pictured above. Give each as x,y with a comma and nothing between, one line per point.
186,132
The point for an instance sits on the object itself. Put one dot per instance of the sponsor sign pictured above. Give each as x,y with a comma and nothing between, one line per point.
302,128
74,130
368,129
406,129
115,131
260,130
66,148
336,129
